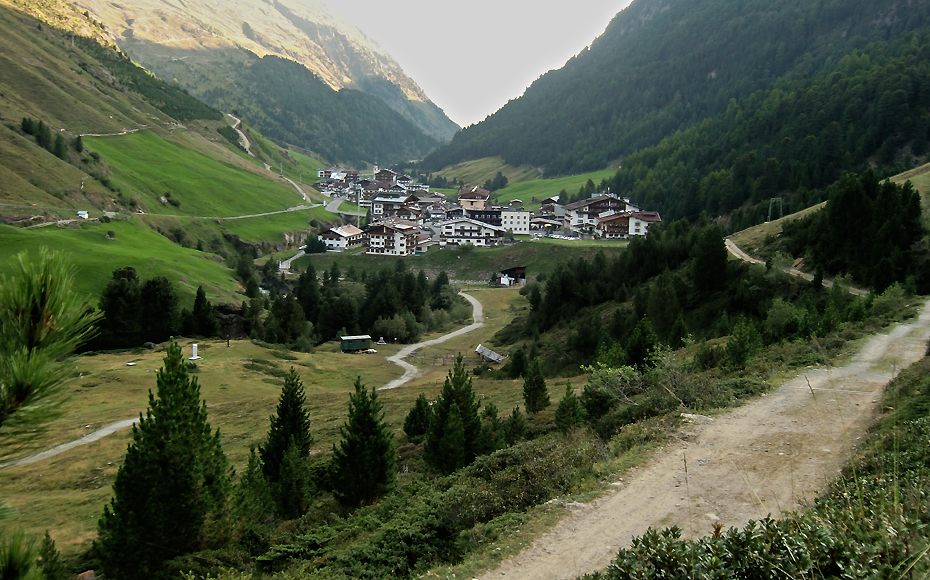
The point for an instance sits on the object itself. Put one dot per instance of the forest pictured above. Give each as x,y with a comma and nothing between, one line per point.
793,140
660,68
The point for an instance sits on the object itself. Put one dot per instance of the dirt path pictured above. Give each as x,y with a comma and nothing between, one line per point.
756,460
737,252
411,372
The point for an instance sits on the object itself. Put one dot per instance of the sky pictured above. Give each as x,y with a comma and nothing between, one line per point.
471,57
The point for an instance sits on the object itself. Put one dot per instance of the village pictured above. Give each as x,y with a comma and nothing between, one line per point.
406,218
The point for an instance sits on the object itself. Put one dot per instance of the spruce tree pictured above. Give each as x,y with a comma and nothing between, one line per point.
50,560
535,392
569,413
252,499
456,392
364,464
293,483
289,425
171,493
515,427
417,422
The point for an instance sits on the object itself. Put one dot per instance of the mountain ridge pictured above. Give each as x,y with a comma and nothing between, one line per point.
305,31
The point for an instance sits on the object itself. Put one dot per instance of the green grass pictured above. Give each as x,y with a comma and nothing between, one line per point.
149,166
477,171
477,265
66,494
540,189
135,244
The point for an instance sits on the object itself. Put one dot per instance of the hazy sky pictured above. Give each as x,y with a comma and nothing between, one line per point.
472,56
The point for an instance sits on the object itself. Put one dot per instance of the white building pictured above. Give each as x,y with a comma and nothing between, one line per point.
516,220
342,238
465,230
392,239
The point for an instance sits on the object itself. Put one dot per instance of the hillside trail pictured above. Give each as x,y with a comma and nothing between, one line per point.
759,459
737,252
410,372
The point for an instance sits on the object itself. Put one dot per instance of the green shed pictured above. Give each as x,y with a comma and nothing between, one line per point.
354,343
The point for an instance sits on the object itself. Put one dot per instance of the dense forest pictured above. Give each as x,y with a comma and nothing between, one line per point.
792,140
662,66
289,104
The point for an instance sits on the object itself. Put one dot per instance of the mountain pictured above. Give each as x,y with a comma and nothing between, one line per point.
664,65
205,45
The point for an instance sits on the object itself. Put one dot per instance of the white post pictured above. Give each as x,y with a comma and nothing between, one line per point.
194,353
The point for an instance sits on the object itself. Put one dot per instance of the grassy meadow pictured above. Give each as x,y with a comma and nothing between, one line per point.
241,383
134,244
147,165
474,264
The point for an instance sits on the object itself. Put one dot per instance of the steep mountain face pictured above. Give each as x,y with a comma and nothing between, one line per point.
663,65
201,43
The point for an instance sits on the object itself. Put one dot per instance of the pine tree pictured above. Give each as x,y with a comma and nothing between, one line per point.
60,148
50,560
569,413
290,425
364,464
293,483
515,427
417,421
171,493
79,144
252,500
535,392
456,392
202,320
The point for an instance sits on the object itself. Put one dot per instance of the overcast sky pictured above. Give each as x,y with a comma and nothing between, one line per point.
471,57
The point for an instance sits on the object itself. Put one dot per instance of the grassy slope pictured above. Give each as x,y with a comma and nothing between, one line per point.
136,245
147,165
66,494
480,170
540,189
480,264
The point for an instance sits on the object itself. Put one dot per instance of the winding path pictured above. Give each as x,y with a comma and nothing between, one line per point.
411,372
773,454
737,252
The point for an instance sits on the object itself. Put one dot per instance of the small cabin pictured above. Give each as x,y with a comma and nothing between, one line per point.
355,343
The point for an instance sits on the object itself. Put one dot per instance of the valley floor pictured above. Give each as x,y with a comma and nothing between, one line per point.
765,457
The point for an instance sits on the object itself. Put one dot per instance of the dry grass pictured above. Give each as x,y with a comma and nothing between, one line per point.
751,239
66,494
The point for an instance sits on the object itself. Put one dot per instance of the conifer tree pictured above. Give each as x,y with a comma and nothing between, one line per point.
514,427
202,320
456,392
50,560
417,421
252,500
60,148
293,483
289,425
535,392
569,413
364,464
171,493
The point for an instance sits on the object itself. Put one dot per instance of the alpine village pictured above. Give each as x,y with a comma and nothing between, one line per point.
268,313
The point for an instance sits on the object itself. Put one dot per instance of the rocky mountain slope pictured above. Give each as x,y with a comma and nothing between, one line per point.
201,44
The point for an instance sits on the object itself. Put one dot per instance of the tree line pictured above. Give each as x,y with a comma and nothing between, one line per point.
793,140
651,74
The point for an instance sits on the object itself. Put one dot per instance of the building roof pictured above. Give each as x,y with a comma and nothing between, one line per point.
474,193
589,201
474,221
348,230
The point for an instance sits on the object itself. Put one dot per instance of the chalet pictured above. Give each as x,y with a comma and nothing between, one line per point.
584,214
474,198
465,230
488,215
386,176
387,205
392,239
624,224
410,213
343,238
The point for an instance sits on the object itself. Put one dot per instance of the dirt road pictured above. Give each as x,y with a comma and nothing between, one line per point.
756,460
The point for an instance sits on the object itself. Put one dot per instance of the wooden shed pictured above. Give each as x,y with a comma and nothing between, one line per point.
355,343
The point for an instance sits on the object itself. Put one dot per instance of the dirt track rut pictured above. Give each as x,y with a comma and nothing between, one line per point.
759,459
